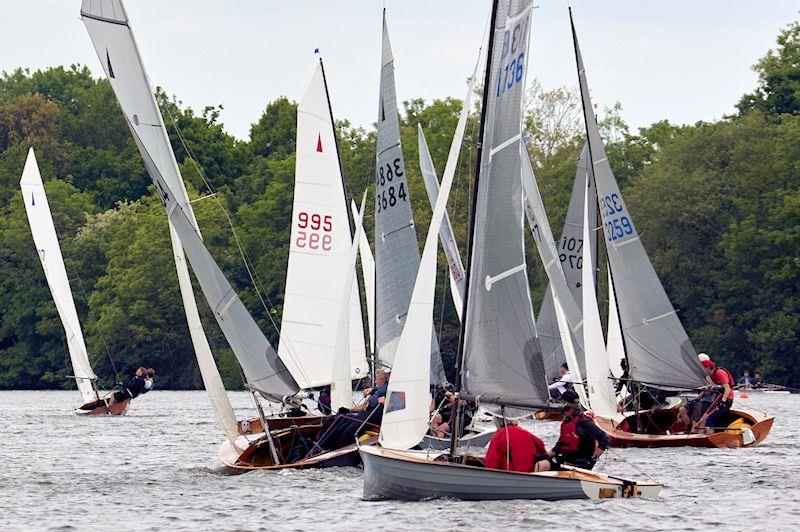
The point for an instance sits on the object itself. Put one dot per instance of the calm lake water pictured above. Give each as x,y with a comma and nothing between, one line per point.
156,468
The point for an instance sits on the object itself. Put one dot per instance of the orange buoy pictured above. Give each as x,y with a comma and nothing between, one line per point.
744,395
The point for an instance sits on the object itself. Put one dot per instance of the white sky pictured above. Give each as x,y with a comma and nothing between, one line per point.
681,60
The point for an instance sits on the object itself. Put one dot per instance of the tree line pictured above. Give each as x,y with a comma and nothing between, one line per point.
717,203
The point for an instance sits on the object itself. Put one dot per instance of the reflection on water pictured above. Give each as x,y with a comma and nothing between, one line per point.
156,468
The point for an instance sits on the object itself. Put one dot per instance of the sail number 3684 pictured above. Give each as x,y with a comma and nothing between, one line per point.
387,194
314,231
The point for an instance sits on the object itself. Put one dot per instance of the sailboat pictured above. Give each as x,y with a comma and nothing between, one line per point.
396,248
658,350
263,443
44,236
498,361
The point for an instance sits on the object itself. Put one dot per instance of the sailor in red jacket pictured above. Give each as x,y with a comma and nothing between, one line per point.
526,451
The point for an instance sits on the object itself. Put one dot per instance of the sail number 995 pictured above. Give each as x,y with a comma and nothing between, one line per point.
314,231
386,193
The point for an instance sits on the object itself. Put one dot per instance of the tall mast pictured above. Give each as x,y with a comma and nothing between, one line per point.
351,224
471,233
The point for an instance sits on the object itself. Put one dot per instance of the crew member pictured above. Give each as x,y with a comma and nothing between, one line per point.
581,442
721,402
563,384
513,448
746,381
129,390
149,382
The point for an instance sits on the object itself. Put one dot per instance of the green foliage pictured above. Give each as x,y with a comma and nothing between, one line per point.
718,205
778,89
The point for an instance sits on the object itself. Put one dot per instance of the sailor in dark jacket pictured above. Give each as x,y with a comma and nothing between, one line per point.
581,441
129,390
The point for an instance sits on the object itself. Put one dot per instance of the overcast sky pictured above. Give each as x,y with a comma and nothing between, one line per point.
682,60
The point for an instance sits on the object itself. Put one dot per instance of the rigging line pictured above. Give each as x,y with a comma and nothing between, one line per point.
255,280
251,271
86,298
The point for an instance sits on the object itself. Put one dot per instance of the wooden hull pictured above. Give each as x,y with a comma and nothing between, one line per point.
420,475
671,433
252,451
549,415
101,408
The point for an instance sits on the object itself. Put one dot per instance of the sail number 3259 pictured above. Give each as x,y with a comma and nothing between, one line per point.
314,231
386,193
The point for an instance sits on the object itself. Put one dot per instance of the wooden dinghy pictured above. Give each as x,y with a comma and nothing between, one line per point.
418,475
252,448
100,407
663,429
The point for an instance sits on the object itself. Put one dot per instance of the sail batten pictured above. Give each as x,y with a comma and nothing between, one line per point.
658,350
502,362
48,249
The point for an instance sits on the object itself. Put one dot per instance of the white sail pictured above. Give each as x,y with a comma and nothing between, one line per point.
569,319
405,416
44,236
212,381
319,258
614,346
107,24
569,351
368,275
341,387
598,384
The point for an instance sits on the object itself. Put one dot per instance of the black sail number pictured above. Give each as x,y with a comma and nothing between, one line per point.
388,193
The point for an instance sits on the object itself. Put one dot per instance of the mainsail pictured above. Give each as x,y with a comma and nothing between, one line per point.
570,254
108,26
502,363
319,252
44,236
396,247
658,348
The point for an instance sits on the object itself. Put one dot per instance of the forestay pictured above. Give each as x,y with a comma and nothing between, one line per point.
396,247
319,252
108,27
658,349
614,346
47,247
570,254
502,363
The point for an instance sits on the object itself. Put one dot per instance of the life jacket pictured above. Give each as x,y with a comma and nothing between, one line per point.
146,387
731,380
570,441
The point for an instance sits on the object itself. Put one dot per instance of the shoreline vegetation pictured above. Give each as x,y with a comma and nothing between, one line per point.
718,205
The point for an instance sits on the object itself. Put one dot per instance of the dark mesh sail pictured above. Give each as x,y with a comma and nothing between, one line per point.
502,361
396,248
658,348
570,248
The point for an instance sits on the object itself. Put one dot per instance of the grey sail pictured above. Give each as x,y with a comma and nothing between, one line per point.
569,248
108,27
657,346
396,247
502,363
